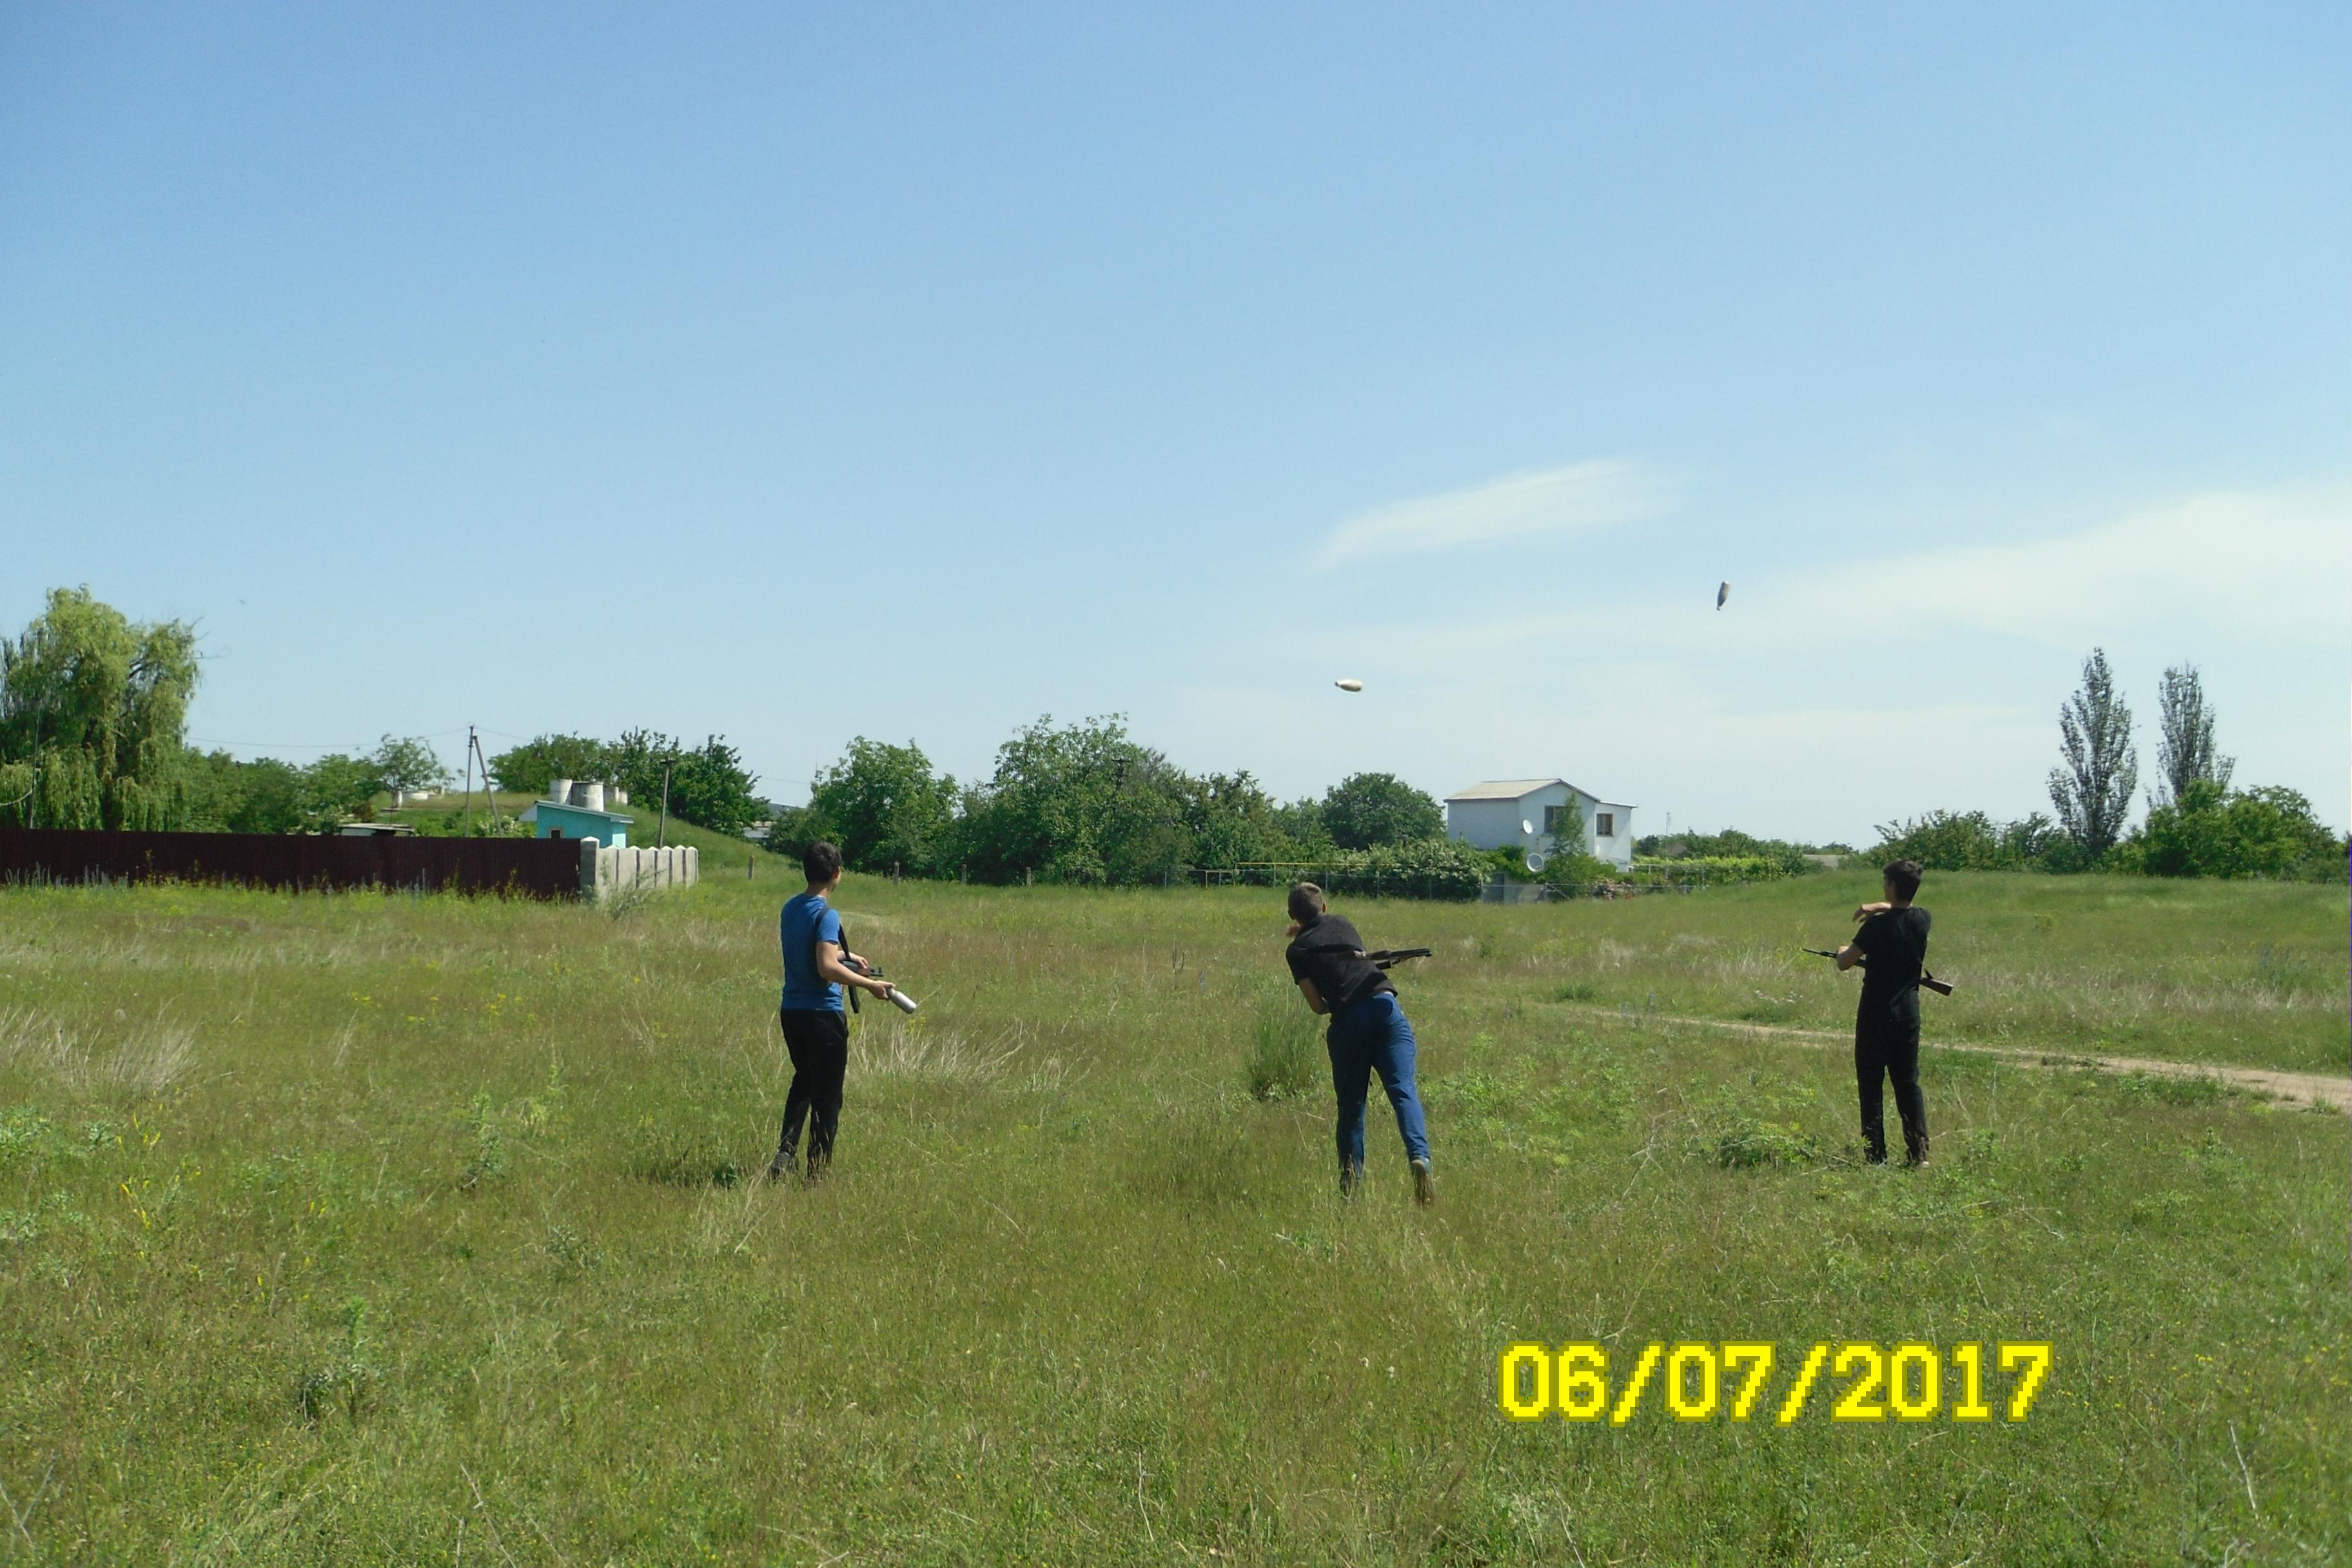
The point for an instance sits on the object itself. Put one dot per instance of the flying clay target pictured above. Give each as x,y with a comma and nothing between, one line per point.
1722,594
1349,683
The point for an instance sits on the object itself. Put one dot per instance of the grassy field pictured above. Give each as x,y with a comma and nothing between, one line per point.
376,1230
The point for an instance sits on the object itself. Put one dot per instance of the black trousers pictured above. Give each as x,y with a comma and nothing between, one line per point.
818,1043
1886,1046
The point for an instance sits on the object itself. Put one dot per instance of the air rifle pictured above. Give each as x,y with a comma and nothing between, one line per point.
1390,957
898,999
1940,987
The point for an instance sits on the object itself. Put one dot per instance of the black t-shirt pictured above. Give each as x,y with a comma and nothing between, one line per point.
1330,953
1897,942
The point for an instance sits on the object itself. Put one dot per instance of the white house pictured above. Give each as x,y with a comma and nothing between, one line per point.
1525,814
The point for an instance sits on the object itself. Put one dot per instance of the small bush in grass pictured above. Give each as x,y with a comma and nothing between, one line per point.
1282,1062
682,1155
1756,1124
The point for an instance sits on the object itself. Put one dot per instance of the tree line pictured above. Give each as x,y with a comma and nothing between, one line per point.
2197,824
93,713
1086,804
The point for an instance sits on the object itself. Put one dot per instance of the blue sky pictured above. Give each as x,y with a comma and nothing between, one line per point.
800,373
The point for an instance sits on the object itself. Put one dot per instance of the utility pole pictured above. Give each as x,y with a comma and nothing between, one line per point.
661,834
469,781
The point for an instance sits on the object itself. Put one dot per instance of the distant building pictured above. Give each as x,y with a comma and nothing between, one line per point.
375,830
577,811
1527,813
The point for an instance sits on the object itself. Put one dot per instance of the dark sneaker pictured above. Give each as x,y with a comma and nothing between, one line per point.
1424,1190
1350,1178
781,1166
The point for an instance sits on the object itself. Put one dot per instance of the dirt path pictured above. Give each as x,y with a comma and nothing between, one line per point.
2308,1088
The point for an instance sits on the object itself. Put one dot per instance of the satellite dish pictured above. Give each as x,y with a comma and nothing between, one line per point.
1349,684
1525,826
1535,861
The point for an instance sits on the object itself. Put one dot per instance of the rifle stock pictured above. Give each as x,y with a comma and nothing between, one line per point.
1927,980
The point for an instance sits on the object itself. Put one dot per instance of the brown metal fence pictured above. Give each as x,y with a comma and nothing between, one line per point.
525,867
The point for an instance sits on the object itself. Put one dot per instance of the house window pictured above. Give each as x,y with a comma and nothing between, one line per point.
1605,824
1552,815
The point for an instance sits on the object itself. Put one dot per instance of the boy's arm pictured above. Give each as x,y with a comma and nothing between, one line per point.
830,968
1315,1002
1855,951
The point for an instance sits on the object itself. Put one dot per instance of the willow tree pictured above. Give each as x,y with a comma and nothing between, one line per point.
92,711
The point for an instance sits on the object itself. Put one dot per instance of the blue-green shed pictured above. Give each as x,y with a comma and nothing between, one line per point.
608,829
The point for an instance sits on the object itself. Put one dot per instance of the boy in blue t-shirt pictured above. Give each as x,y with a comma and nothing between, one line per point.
816,1029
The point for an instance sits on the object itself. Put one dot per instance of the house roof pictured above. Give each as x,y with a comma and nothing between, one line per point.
1519,789
1511,789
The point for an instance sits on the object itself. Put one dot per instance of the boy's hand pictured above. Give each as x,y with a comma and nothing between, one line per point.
1866,910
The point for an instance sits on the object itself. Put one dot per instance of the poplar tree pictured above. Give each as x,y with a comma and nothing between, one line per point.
2093,788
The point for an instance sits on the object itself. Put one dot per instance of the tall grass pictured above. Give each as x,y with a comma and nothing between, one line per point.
388,1229
1284,1057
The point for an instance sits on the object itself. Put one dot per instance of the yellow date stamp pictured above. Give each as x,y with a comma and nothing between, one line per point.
1854,1380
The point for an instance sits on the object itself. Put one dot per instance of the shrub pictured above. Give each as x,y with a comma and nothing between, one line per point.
1699,870
1431,868
1974,841
2266,831
1282,1064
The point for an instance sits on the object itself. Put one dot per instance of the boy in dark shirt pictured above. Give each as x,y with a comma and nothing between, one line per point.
1894,938
1368,1034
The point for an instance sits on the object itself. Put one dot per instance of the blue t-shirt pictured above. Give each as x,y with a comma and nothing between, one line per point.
807,920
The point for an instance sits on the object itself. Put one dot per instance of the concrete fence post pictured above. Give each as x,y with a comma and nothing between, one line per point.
588,869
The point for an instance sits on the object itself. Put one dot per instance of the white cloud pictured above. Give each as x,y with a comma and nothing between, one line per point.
2271,565
1600,493
2261,568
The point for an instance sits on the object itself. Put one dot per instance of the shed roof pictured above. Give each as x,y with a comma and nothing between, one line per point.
530,813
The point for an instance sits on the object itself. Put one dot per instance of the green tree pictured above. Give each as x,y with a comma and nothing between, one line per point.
226,796
709,785
539,763
337,789
1369,809
2093,789
884,806
1081,804
409,763
92,711
2186,755
1301,821
1231,820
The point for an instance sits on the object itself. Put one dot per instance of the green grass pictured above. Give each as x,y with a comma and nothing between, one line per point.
401,1228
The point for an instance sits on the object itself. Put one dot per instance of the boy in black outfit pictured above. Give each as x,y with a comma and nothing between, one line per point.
1894,938
1369,1035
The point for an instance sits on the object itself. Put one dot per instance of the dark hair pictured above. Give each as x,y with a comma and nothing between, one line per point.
1306,902
1903,876
820,862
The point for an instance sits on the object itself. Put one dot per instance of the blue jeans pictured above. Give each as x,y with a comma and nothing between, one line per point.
1371,1037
